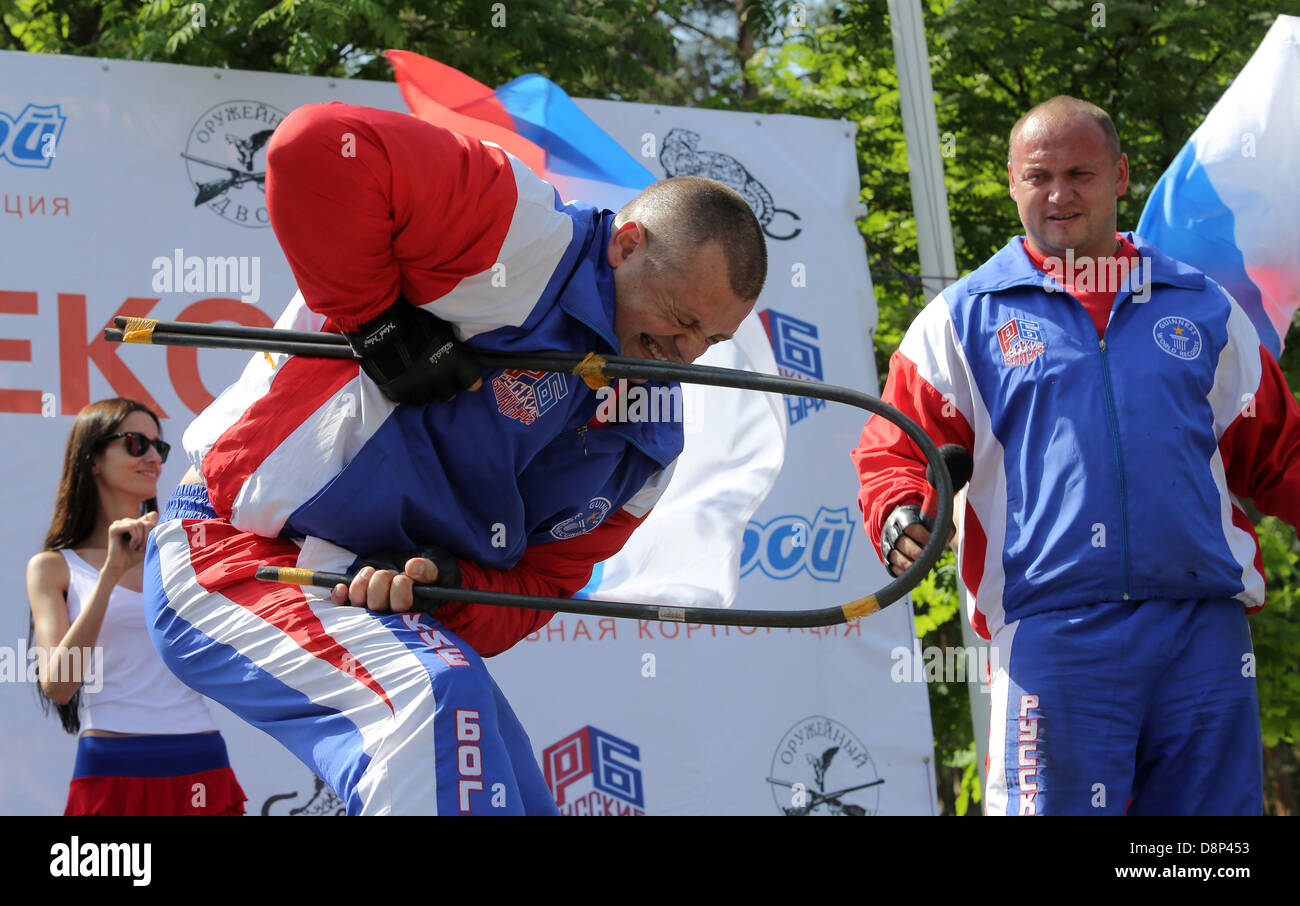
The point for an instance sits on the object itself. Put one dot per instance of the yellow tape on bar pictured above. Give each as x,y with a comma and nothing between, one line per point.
295,576
861,607
139,330
592,370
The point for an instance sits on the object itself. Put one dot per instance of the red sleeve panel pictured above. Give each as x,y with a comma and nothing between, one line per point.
560,570
890,466
1261,448
367,204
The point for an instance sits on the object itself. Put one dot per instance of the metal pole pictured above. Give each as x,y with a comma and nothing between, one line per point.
934,238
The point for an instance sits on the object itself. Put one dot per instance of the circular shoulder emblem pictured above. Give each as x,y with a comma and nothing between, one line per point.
1178,336
584,521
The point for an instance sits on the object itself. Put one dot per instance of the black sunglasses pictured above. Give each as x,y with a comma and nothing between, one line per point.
138,444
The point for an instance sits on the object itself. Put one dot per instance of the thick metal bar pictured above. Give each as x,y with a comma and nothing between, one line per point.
595,370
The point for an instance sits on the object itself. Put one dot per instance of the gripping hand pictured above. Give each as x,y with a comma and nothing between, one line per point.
448,568
413,355
896,528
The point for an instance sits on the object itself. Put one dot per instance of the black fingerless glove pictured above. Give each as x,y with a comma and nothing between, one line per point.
448,568
895,526
413,355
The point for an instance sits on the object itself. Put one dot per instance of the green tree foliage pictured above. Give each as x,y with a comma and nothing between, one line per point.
1277,628
1275,633
667,51
591,48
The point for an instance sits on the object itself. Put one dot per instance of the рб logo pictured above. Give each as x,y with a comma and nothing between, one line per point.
592,772
1021,341
794,346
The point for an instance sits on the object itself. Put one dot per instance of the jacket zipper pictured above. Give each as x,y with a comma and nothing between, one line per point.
1119,466
582,432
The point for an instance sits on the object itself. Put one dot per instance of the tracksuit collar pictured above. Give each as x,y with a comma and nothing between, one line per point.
596,310
1011,267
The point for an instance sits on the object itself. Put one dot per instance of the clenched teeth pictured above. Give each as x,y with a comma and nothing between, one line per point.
654,349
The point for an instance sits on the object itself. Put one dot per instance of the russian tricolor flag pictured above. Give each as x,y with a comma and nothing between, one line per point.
1229,204
688,549
532,118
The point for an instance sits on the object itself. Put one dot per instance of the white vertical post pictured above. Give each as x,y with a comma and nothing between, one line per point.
924,156
934,239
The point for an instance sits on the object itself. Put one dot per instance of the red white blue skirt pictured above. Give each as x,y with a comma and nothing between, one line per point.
183,774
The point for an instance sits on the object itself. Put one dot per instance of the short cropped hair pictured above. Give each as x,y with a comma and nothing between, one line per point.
686,212
1065,107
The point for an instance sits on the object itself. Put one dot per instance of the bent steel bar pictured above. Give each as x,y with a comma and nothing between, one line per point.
596,371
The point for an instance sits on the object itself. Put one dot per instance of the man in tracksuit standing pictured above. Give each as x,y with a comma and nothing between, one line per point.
1115,400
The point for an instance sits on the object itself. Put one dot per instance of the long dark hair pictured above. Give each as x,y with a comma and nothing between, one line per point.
77,505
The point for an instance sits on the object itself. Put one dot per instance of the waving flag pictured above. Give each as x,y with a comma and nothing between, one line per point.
688,550
1229,204
532,118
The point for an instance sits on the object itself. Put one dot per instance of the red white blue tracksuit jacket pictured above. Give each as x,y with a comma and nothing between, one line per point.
1140,440
306,463
1104,472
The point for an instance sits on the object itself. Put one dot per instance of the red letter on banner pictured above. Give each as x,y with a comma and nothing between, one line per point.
183,361
27,402
75,354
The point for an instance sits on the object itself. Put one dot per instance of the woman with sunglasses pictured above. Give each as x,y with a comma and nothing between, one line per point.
147,744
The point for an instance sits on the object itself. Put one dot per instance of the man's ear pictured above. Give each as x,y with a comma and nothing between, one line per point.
1121,175
624,240
1011,181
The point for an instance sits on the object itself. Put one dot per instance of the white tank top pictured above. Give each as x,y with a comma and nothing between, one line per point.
136,693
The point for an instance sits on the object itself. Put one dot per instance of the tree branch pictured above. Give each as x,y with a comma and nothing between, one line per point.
11,40
1002,83
1218,55
729,47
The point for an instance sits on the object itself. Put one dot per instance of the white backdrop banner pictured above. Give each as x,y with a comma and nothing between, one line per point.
108,168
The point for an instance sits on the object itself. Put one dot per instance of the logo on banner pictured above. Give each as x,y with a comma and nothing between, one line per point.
1179,337
31,138
789,545
528,395
225,157
821,768
681,156
1021,341
592,772
322,801
797,355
